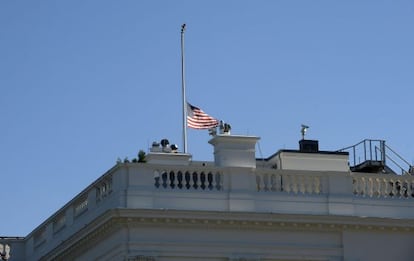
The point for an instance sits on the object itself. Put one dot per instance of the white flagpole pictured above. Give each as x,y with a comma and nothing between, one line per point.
183,91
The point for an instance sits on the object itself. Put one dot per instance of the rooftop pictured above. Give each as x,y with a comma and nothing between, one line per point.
321,184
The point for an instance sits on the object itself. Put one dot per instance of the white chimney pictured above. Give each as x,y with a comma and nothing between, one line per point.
234,150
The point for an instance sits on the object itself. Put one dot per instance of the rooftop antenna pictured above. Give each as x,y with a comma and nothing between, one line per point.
303,130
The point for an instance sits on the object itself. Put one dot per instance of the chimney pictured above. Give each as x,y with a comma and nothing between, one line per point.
234,150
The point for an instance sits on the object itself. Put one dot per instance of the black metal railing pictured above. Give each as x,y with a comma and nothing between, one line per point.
373,152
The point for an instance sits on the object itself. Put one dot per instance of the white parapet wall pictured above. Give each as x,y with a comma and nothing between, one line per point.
165,158
234,150
320,161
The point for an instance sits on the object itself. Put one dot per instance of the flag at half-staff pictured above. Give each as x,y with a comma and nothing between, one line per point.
198,119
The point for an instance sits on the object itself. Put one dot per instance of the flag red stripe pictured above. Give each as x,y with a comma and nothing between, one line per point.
198,119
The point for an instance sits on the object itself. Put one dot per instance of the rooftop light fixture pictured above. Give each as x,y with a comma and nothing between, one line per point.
303,130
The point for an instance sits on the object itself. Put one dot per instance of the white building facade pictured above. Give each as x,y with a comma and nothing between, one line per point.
296,205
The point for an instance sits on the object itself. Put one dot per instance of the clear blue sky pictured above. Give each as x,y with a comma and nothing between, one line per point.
85,82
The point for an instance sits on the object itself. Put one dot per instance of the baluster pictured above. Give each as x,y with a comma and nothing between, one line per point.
286,183
403,188
300,184
209,181
382,188
362,186
266,179
302,188
370,186
397,186
214,181
318,185
179,180
172,179
374,187
270,182
311,187
203,180
407,189
197,181
200,180
377,187
367,188
176,181
258,182
156,179
355,185
400,189
188,183
219,181
164,177
294,183
263,182
393,188
387,188
274,182
308,185
193,180
279,182
359,186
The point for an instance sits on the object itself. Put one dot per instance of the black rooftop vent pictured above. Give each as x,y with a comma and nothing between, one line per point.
308,146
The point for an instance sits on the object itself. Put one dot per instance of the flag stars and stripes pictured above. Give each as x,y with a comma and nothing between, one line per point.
198,119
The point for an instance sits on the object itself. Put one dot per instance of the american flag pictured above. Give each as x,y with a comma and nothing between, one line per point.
198,119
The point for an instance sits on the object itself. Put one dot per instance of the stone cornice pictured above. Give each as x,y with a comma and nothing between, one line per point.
116,219
222,217
268,222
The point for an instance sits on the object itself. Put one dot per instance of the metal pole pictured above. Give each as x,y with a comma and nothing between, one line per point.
183,91
370,149
365,150
353,148
382,146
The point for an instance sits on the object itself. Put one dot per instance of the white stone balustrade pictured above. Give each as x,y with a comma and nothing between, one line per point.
188,179
295,183
386,186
